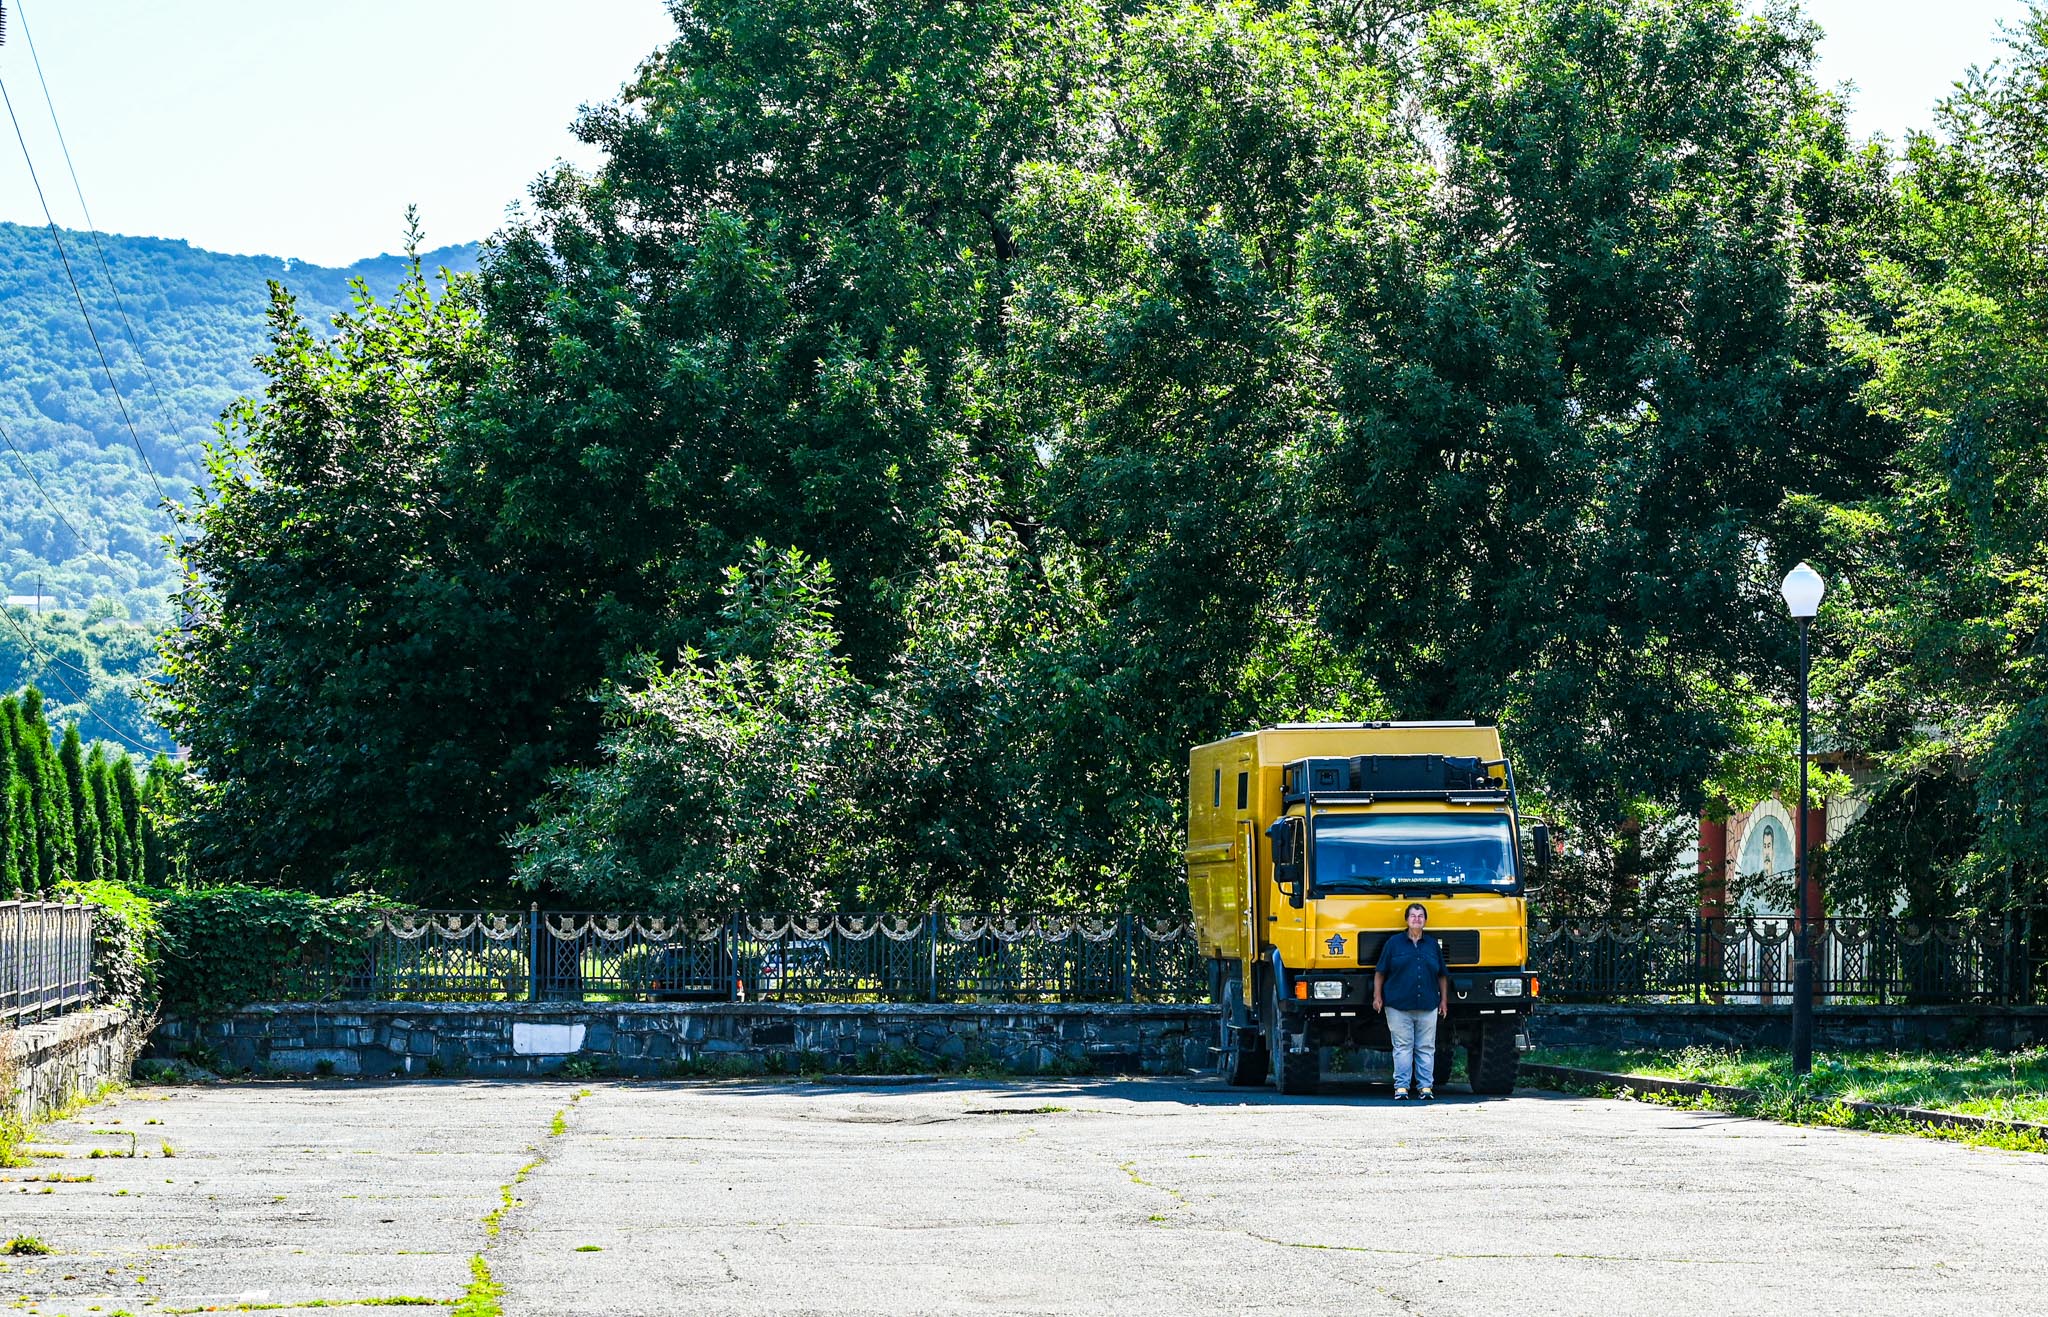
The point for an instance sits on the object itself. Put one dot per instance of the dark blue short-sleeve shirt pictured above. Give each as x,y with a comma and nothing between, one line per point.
1411,969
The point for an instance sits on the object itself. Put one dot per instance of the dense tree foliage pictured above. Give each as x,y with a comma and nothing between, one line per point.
356,673
917,433
1945,605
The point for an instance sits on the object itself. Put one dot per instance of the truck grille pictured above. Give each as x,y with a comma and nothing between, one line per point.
1461,945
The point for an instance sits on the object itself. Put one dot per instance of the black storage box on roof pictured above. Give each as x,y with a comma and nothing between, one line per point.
1418,773
1388,774
1304,775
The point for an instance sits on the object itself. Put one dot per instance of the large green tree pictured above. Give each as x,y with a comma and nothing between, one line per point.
1944,594
357,674
1141,375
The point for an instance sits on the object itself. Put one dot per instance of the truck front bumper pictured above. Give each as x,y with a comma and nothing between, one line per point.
1508,991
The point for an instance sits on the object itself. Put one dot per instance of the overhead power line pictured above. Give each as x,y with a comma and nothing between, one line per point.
92,229
51,663
79,295
50,502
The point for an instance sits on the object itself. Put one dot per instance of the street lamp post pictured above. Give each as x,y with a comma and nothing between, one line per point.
1802,589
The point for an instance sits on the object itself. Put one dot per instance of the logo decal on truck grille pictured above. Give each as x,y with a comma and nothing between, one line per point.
1336,944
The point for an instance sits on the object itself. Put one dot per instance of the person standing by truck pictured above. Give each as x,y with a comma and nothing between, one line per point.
1412,985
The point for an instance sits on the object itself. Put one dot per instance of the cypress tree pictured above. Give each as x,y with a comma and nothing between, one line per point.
13,878
99,783
50,803
128,796
85,830
20,830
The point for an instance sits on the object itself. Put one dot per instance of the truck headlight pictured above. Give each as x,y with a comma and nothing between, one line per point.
1507,987
1327,989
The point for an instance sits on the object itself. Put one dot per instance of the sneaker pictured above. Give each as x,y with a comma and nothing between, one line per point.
1400,1095
1427,1095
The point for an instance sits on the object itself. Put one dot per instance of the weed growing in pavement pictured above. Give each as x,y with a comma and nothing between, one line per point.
26,1246
481,1299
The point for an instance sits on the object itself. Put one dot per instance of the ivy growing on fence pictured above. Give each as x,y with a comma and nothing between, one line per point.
223,947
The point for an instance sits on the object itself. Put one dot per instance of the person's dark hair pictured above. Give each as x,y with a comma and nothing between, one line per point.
1416,905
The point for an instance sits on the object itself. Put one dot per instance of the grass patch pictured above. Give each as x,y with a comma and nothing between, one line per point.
589,1248
1994,1085
16,1134
481,1298
26,1246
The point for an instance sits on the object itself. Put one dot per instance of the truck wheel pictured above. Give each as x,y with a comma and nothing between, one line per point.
1293,1073
1240,1052
1491,1058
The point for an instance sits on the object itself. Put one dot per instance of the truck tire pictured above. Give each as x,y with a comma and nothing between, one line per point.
1240,1051
1491,1058
1293,1073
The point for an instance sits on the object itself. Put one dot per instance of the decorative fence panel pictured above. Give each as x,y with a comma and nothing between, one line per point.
554,956
456,955
1877,961
45,960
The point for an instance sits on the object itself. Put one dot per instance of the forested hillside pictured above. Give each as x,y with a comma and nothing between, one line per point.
81,523
93,529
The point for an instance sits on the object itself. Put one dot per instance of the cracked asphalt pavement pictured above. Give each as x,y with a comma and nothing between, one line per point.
1019,1197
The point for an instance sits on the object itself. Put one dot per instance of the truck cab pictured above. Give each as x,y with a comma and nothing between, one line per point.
1306,845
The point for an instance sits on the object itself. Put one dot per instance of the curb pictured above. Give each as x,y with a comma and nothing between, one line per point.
1688,1088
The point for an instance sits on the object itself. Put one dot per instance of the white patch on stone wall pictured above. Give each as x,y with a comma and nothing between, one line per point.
546,1039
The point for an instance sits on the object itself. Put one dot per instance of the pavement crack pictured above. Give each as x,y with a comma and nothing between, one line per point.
1130,1169
1435,1255
481,1298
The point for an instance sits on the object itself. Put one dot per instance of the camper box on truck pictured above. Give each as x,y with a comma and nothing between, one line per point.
1306,844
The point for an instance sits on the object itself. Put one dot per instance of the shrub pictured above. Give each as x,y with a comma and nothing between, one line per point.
125,942
225,947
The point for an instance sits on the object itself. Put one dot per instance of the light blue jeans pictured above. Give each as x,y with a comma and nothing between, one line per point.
1414,1047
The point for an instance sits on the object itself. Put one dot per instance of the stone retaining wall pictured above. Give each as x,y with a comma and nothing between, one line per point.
511,1038
43,1066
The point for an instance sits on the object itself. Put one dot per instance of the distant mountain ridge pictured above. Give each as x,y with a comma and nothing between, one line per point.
93,530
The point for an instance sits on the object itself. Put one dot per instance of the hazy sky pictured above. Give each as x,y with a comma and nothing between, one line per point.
303,127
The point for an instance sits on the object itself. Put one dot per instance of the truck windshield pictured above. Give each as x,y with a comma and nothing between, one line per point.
1376,852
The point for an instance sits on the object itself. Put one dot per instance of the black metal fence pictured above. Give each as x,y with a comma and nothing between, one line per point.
1748,960
469,955
572,956
45,960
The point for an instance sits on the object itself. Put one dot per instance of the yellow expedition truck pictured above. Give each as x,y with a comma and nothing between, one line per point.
1307,842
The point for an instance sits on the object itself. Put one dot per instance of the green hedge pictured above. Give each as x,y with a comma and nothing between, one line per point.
224,947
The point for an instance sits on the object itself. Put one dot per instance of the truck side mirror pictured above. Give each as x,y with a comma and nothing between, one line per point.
1286,842
1539,841
1285,836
